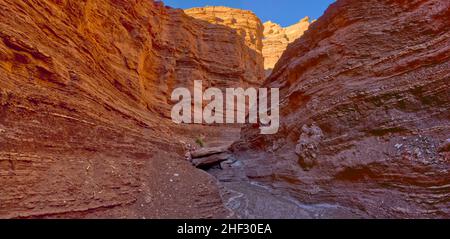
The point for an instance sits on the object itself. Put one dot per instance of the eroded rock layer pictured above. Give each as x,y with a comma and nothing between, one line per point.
276,39
85,106
365,111
248,26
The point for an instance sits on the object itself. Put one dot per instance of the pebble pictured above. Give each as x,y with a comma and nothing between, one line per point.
188,156
445,146
417,152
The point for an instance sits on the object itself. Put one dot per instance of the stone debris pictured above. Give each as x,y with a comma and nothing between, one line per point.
210,160
308,145
208,151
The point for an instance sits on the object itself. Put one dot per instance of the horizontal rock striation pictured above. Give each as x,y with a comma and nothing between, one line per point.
365,111
246,25
276,40
85,107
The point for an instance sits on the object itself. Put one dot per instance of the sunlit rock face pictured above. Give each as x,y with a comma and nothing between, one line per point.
276,39
365,112
246,25
85,127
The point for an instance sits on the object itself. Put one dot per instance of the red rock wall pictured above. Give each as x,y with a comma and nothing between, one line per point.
84,107
246,25
365,111
277,39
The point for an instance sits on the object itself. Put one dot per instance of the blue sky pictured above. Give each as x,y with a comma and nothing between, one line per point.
283,12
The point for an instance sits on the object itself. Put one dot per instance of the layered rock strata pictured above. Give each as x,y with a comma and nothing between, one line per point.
85,106
365,111
276,40
247,25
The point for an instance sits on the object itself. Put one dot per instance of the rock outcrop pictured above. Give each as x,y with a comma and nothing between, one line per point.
85,106
277,38
248,26
365,108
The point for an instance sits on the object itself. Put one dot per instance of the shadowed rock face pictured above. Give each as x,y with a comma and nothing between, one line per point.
277,38
365,111
85,106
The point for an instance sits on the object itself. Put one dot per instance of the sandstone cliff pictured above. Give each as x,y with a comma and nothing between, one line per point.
84,107
277,38
248,26
365,111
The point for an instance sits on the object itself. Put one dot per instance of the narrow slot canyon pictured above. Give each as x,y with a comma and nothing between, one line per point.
86,129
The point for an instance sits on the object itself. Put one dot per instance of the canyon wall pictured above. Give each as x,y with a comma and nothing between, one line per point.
276,40
248,26
85,107
365,111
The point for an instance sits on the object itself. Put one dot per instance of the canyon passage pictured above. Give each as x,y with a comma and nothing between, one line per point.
85,111
236,103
